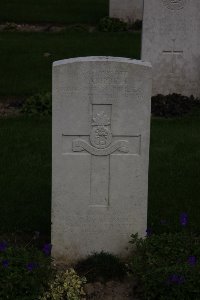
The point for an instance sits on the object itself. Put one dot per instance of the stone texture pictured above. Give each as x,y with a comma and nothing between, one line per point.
101,124
127,10
171,43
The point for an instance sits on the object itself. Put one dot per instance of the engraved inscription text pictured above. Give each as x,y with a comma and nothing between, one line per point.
174,4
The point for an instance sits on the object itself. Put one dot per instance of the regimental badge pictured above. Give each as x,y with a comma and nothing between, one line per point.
100,138
101,135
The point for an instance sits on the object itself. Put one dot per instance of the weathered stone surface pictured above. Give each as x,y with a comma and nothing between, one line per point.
127,10
99,199
171,43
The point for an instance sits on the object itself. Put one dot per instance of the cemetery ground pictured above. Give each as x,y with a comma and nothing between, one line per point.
26,197
26,173
26,60
29,56
25,164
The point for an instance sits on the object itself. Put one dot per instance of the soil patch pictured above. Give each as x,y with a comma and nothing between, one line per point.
112,290
6,110
48,27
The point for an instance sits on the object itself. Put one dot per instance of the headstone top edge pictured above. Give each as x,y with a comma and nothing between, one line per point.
102,59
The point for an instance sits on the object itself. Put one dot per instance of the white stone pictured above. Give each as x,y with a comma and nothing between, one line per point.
127,10
171,30
101,124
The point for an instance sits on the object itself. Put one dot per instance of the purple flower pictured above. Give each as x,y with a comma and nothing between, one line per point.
5,263
148,232
31,266
183,219
192,260
3,246
176,279
47,249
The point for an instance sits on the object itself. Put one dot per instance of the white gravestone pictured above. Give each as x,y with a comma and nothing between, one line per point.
101,124
127,10
171,30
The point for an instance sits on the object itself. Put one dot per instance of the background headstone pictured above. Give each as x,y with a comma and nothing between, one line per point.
171,43
101,124
127,10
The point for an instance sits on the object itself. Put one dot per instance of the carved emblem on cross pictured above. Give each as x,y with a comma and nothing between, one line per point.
100,148
100,138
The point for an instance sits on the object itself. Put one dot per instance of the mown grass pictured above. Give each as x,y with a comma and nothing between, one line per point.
25,164
174,174
59,11
25,177
26,58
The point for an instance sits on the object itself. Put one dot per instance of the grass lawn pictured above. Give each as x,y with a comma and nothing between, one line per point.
59,11
174,176
25,68
25,163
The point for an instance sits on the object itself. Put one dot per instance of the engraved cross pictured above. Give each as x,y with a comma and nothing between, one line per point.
101,145
173,53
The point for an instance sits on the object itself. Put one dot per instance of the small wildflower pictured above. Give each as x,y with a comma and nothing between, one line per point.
183,219
176,279
3,246
47,249
31,266
5,263
192,260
